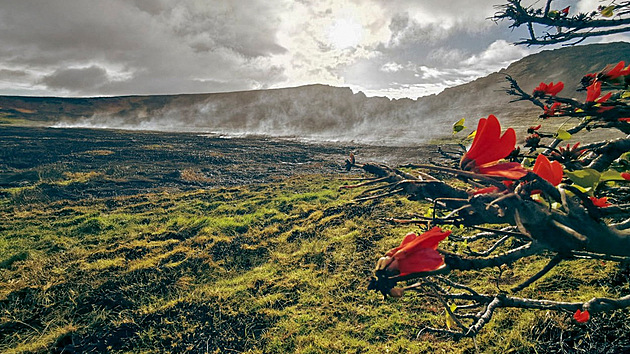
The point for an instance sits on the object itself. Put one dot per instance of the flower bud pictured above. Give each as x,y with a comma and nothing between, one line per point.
532,140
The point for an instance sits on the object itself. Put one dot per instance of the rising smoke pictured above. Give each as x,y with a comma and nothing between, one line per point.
314,113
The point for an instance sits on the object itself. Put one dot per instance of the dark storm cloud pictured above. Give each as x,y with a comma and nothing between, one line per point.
139,46
12,74
77,79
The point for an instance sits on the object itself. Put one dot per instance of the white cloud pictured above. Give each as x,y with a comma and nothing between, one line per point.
74,47
413,91
497,56
391,67
430,73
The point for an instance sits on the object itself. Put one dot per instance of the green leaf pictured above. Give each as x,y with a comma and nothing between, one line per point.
608,11
450,322
582,189
459,126
528,162
563,134
611,175
587,178
538,198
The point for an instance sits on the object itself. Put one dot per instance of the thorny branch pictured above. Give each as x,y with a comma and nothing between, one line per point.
560,26
491,303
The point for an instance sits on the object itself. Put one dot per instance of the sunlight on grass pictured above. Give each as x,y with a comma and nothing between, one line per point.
275,268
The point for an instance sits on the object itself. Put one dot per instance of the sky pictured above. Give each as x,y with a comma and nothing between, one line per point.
392,48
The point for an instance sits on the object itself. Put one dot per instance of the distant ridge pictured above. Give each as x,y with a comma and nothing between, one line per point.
326,112
487,94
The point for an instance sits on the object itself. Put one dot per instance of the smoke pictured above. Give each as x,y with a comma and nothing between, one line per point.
313,113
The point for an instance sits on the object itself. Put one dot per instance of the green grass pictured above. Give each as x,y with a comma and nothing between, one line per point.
8,119
273,268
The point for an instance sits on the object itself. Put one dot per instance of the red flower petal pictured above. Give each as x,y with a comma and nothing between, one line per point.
489,146
614,72
429,239
625,176
500,149
549,171
542,87
418,253
550,89
423,260
511,170
408,238
605,98
600,202
581,317
593,91
555,89
550,111
487,190
486,133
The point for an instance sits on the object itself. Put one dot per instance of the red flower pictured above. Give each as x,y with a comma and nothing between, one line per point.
489,147
600,202
551,111
486,190
627,120
565,11
549,171
532,129
605,98
418,253
567,154
593,92
581,317
532,140
615,72
625,176
550,89
493,189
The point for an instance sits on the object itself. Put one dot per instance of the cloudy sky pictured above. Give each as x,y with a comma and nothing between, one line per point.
394,48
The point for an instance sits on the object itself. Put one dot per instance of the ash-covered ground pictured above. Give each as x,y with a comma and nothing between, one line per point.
73,164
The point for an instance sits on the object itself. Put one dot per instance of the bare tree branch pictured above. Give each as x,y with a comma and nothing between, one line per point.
568,28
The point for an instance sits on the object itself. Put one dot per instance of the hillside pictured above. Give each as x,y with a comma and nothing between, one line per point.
324,112
487,95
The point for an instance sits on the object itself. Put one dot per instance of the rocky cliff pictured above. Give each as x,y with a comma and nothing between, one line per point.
326,112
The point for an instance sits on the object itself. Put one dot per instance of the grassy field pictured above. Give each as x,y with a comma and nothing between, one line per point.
274,267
